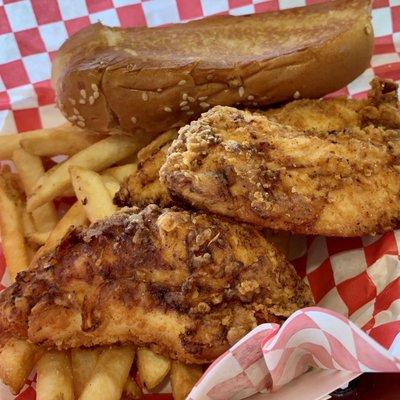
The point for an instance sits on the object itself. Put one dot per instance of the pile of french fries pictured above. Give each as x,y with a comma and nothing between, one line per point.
94,168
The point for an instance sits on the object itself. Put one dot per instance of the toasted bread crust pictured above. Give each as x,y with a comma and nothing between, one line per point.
145,81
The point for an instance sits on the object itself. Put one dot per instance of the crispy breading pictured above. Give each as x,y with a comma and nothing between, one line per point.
144,187
186,284
381,108
325,115
247,167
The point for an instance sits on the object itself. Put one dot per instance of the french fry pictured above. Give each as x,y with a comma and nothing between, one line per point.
8,144
12,230
121,172
34,239
39,238
156,144
27,222
17,359
183,378
131,390
131,159
74,217
110,374
97,157
54,377
65,139
83,362
111,184
92,193
30,169
152,367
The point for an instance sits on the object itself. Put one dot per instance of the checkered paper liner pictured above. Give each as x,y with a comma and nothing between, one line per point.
359,278
271,356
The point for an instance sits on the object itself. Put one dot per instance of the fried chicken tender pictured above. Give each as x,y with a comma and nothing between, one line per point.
144,186
381,108
186,284
247,167
325,115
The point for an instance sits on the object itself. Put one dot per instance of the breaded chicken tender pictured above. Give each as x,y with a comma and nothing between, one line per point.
249,168
333,115
186,284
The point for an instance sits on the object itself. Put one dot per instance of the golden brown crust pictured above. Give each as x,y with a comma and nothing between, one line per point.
145,81
185,283
381,109
144,186
247,167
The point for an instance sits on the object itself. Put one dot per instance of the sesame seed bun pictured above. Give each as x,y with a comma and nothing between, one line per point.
145,81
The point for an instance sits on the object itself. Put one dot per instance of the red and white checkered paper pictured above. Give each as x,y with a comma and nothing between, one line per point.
358,278
271,356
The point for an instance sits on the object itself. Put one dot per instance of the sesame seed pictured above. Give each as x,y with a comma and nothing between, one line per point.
241,91
255,104
183,103
96,95
94,87
184,96
202,98
191,99
185,108
250,97
81,124
75,111
209,77
296,94
73,118
80,118
134,120
82,101
204,104
83,93
145,96
167,109
91,100
159,90
190,113
182,82
72,101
